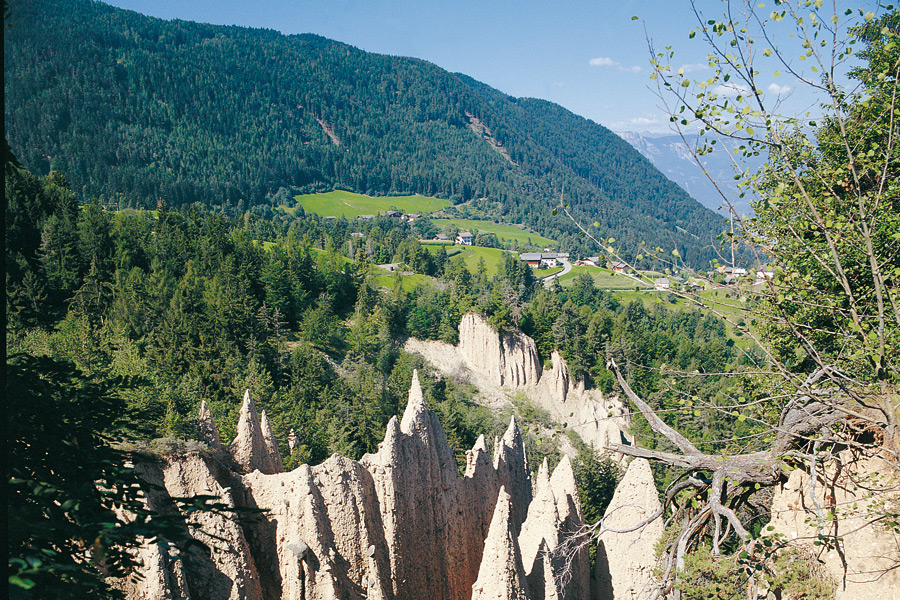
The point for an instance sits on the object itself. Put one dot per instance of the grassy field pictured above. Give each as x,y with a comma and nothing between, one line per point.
504,232
603,278
545,273
407,282
470,255
348,204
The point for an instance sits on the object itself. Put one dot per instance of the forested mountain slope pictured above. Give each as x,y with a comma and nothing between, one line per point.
126,104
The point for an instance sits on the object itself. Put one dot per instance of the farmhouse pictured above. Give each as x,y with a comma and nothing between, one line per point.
662,284
619,267
465,238
538,259
532,258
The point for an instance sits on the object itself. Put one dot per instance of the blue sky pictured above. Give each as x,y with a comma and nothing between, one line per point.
588,56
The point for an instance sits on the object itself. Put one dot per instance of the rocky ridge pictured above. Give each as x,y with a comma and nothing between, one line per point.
501,365
399,524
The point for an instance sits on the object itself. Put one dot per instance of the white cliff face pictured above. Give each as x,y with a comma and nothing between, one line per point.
497,365
400,524
851,492
229,571
510,360
629,557
600,421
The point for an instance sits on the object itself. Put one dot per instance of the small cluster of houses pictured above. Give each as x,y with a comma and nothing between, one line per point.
393,214
735,274
463,238
541,260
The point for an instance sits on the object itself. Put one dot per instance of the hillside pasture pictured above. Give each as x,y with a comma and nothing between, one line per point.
508,233
470,255
603,278
340,203
407,282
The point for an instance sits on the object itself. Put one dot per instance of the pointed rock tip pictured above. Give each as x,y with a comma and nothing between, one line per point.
563,478
512,435
392,432
543,474
415,389
504,497
415,408
480,444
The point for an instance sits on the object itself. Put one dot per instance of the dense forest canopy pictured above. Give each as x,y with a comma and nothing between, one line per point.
138,110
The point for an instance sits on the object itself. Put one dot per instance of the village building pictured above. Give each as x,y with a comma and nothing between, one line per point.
540,259
662,284
465,238
736,271
532,258
619,267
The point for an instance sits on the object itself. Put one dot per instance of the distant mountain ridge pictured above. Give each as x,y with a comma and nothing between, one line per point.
671,155
125,104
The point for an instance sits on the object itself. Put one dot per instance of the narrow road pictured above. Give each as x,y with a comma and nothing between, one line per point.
567,266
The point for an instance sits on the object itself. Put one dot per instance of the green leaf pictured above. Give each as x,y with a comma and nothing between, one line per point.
21,582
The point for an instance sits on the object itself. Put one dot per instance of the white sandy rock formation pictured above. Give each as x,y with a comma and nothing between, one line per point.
510,360
206,428
400,524
856,490
600,421
250,448
229,571
497,364
627,569
501,576
271,443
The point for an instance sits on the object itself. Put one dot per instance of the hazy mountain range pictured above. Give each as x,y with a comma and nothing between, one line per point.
671,155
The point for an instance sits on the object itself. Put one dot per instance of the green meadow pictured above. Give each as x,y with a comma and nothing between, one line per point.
603,278
407,282
351,205
471,254
503,231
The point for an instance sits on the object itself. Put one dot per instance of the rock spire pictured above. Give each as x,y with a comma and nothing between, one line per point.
206,428
271,443
501,576
250,449
627,571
